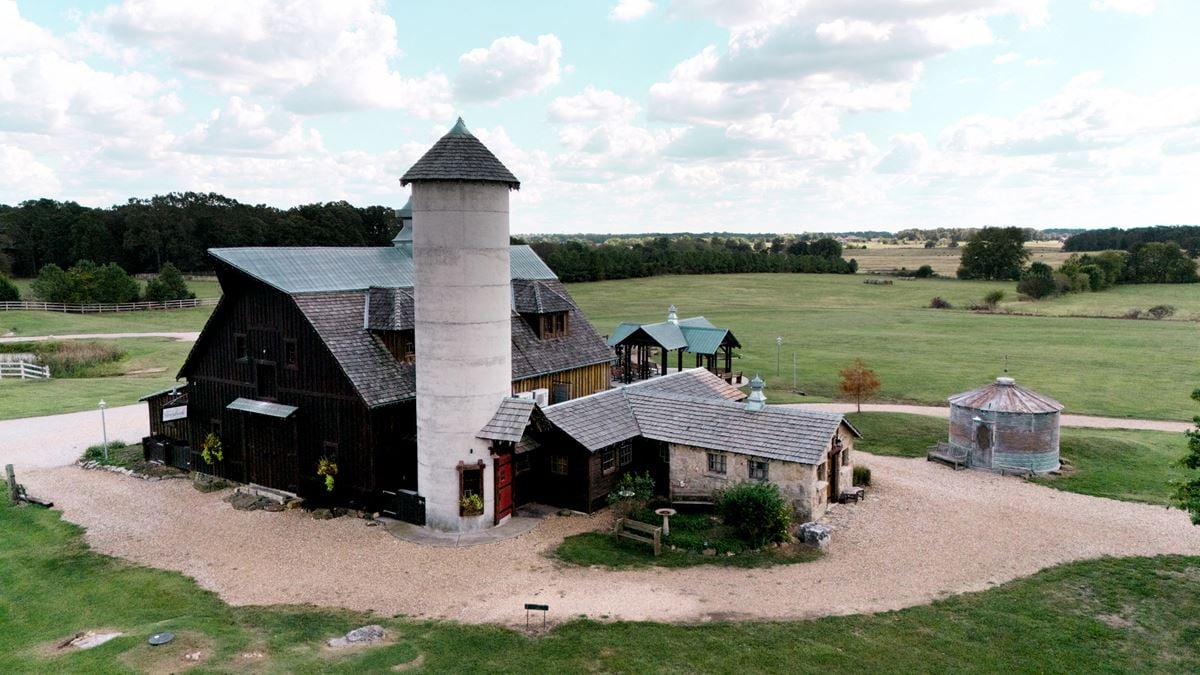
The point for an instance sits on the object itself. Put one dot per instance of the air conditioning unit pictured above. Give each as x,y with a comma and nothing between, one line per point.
541,397
527,395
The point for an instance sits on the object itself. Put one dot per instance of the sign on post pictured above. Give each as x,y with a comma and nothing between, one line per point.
173,413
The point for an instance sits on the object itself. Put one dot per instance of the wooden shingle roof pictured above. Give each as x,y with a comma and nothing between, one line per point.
534,296
509,422
459,156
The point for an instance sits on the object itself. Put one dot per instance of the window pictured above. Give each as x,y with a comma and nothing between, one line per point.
265,380
291,354
239,347
470,483
716,463
559,392
664,454
845,457
608,460
552,325
821,471
758,469
558,464
626,452
523,463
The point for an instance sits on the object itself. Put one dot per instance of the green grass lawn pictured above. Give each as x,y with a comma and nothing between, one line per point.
1103,616
58,323
1099,366
29,398
1136,466
601,548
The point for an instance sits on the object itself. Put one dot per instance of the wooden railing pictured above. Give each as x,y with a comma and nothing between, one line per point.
106,308
23,370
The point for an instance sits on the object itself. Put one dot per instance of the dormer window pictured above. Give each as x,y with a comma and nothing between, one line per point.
551,325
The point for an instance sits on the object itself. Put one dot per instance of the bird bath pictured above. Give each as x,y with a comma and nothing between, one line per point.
666,516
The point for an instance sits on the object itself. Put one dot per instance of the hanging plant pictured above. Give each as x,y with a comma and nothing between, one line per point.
328,468
471,505
211,450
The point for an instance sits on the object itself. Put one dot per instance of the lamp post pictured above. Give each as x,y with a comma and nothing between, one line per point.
104,428
778,347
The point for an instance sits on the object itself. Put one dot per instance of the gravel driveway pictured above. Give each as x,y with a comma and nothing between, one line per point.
1066,419
924,532
59,440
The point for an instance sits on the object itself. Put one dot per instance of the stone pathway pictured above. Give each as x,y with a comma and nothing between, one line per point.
1067,420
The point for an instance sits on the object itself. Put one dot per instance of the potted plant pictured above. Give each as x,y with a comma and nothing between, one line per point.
327,467
471,505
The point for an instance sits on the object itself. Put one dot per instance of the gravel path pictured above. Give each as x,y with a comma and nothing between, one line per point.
59,440
924,532
1066,420
182,337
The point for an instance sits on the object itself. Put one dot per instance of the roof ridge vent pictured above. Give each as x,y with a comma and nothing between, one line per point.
1006,381
757,400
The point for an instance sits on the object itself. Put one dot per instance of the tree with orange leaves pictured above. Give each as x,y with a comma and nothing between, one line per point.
859,382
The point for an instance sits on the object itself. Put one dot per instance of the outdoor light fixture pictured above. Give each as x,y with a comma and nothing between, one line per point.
778,346
104,428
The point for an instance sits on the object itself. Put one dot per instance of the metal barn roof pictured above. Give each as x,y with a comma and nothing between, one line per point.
316,269
262,407
1005,396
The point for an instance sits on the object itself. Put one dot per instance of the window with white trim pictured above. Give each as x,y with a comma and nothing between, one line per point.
625,451
608,460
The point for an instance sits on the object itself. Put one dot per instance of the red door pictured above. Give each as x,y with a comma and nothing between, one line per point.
504,486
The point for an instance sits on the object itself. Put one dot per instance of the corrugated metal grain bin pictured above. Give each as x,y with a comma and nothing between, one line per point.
1006,427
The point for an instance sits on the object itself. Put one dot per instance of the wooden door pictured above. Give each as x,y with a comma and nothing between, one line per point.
504,485
834,471
523,479
270,453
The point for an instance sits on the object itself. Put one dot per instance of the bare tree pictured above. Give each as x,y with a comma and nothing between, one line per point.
859,382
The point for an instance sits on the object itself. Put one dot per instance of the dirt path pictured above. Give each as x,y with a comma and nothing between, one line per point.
944,412
182,337
924,532
59,440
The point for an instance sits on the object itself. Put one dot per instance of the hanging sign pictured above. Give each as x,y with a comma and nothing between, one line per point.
174,413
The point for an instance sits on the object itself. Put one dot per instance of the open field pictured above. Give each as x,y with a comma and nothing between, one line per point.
1098,366
884,258
111,382
1115,302
1108,615
59,323
204,288
1135,466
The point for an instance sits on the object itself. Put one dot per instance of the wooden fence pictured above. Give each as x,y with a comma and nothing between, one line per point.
106,308
23,370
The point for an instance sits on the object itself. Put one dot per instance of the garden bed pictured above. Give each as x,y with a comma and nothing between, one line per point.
128,458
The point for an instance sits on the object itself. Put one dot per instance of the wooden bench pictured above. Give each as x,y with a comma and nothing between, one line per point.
639,531
854,494
693,499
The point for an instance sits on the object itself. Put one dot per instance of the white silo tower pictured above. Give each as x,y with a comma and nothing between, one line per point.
462,313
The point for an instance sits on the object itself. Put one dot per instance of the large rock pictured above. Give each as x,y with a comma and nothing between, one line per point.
358,636
815,534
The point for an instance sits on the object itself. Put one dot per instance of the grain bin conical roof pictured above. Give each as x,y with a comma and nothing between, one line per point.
1005,396
459,156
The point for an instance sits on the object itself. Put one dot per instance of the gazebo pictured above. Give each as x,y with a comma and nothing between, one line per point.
635,343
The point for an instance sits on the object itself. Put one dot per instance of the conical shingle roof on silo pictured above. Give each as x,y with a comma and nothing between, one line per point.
459,156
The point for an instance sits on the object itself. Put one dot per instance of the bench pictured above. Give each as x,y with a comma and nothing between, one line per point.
854,494
639,531
693,499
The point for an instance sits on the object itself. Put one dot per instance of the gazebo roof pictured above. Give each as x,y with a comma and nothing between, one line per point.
1005,396
697,335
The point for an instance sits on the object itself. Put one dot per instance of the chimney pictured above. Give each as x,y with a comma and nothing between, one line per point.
757,400
672,315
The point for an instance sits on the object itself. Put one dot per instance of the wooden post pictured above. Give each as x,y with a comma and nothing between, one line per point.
13,494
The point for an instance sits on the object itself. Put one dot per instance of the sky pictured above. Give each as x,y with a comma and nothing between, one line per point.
622,116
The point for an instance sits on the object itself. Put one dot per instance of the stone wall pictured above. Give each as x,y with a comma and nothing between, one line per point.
797,482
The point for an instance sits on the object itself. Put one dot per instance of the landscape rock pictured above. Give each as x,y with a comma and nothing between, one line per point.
322,514
274,507
815,534
91,639
358,636
710,551
244,501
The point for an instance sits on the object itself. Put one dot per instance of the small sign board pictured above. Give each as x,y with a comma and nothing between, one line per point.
174,413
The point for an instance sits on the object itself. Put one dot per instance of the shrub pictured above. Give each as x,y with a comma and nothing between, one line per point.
1161,311
992,299
168,285
1037,281
862,475
640,484
924,271
1134,313
69,358
757,511
8,290
940,303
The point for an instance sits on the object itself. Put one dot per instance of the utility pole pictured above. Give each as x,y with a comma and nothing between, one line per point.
793,372
778,347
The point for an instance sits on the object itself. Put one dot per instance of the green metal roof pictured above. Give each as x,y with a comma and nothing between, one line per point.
320,269
621,332
262,408
703,340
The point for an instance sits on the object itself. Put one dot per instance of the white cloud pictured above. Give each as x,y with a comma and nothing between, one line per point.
628,10
18,36
22,176
592,105
314,57
1139,7
1006,58
242,128
509,68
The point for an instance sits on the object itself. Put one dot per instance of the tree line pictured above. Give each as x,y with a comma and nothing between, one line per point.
1113,238
143,234
575,261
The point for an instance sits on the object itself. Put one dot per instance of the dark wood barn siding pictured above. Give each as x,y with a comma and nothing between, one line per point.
329,410
646,458
176,430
